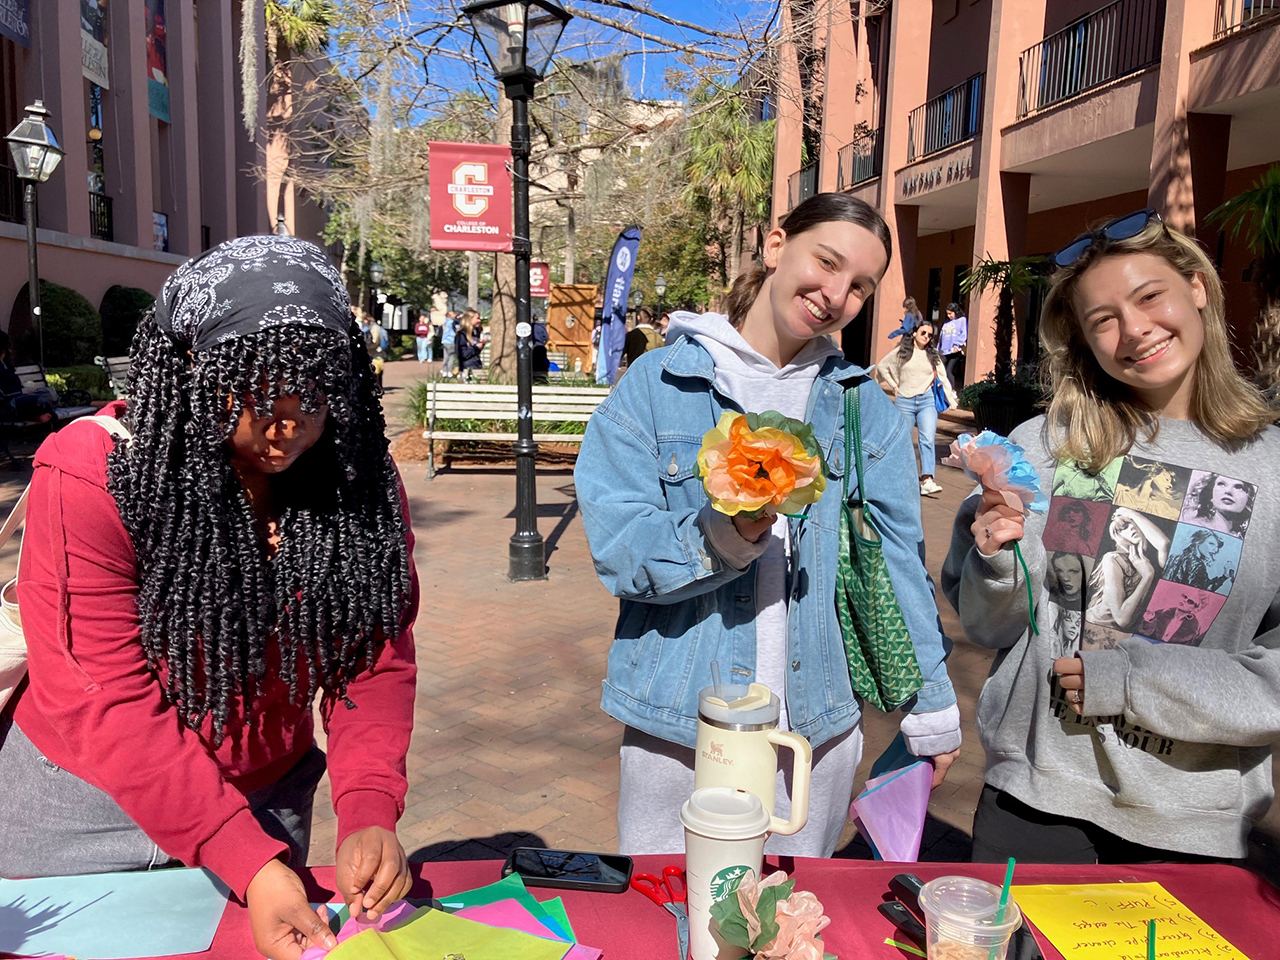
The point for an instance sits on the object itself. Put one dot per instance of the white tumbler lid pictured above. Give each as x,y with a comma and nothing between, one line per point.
725,813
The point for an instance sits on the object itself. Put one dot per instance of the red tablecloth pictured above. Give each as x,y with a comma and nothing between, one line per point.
1243,907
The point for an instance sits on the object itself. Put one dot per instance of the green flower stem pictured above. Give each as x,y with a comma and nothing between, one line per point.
1031,600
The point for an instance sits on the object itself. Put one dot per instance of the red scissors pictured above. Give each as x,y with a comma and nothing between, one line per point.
670,897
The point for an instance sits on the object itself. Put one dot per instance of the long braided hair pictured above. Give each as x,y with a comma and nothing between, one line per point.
216,612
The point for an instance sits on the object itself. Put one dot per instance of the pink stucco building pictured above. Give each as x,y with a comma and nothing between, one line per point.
1006,127
137,166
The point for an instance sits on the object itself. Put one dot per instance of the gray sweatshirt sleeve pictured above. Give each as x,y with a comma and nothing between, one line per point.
1191,693
990,593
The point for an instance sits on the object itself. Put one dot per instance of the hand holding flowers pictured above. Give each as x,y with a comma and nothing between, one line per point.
754,466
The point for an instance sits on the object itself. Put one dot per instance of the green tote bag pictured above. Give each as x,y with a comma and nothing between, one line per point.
877,643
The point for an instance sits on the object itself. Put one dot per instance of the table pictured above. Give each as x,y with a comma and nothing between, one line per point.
1241,906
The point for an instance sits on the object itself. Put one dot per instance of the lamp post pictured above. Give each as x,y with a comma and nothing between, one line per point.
519,39
36,155
660,288
376,274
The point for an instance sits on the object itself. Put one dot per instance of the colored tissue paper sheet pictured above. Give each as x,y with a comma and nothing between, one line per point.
433,933
1108,921
509,915
890,812
109,916
512,888
350,927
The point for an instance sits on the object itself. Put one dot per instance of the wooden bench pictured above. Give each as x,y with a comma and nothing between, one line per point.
480,401
73,403
117,370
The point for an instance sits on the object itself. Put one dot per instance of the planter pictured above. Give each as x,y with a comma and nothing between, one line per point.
1000,411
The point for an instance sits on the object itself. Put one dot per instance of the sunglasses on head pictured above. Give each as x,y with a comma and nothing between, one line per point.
1121,228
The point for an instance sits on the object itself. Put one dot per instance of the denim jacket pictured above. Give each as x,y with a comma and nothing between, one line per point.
681,607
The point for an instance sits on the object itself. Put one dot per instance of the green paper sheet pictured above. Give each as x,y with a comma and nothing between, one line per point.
511,888
556,909
432,933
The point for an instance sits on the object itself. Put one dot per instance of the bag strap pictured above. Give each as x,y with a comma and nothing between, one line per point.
19,512
853,440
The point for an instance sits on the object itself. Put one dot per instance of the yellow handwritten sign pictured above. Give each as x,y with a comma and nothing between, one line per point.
1108,921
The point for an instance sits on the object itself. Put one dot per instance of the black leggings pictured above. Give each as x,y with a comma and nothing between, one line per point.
1004,827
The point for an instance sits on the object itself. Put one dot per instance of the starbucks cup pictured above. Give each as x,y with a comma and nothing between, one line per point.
960,917
724,831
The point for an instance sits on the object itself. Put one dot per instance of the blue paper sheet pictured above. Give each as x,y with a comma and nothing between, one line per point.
110,916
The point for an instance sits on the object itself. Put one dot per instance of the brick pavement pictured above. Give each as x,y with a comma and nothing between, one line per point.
510,745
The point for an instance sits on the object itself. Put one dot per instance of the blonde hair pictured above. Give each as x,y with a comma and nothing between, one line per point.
1094,418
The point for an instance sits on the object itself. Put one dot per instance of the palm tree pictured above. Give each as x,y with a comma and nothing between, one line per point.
1256,212
729,163
1012,278
293,27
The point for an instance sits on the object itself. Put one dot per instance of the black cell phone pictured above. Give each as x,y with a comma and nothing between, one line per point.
570,869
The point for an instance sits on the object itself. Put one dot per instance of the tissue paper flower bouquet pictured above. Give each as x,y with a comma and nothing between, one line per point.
752,462
771,920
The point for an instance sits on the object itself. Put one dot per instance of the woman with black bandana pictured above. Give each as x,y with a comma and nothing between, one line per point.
192,577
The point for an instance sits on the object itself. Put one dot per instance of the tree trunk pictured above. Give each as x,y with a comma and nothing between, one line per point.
1266,343
473,279
735,242
1004,336
502,323
571,245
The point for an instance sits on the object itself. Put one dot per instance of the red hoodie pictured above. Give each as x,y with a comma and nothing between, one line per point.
95,708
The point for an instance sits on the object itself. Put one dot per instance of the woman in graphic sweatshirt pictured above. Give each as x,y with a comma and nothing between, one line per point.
1145,735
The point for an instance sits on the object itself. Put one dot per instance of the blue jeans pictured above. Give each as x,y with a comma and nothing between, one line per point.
923,414
424,349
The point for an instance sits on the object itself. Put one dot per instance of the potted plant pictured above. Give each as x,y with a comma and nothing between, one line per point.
1003,400
1256,211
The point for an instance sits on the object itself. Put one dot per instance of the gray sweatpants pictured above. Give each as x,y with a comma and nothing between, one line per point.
54,824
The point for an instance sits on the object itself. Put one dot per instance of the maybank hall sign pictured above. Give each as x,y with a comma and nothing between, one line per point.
470,189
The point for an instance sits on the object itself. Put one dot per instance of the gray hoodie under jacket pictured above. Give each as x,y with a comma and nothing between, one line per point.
1161,573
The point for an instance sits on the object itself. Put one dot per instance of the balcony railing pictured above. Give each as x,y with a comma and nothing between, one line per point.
951,117
859,161
801,186
10,195
1236,15
1121,38
100,224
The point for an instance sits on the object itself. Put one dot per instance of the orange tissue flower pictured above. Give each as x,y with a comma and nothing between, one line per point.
745,470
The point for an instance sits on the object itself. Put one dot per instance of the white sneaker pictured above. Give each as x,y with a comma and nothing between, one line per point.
928,487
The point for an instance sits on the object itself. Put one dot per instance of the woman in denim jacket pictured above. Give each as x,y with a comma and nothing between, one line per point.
757,596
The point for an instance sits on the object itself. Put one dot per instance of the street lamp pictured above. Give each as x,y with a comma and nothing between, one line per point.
519,39
660,288
282,228
36,155
376,274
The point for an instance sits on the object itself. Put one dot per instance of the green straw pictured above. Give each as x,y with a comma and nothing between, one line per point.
1031,600
1151,940
1004,893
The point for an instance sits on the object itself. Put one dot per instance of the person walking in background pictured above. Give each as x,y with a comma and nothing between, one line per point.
423,332
642,338
448,344
468,344
911,318
955,335
1152,740
29,404
911,371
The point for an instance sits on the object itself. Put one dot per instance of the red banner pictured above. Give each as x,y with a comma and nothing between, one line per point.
539,279
470,196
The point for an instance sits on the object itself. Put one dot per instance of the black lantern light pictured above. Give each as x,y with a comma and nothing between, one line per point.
36,155
518,38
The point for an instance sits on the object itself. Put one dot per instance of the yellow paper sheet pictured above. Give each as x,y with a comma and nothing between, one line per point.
1108,921
435,935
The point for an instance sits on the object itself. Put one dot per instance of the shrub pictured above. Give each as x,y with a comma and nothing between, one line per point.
72,328
121,309
89,377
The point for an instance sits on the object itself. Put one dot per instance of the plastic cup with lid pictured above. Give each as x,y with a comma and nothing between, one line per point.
961,919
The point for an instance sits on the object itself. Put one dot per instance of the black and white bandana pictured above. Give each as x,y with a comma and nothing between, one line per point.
249,284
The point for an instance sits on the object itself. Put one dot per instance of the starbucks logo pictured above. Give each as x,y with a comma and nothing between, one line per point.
726,882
